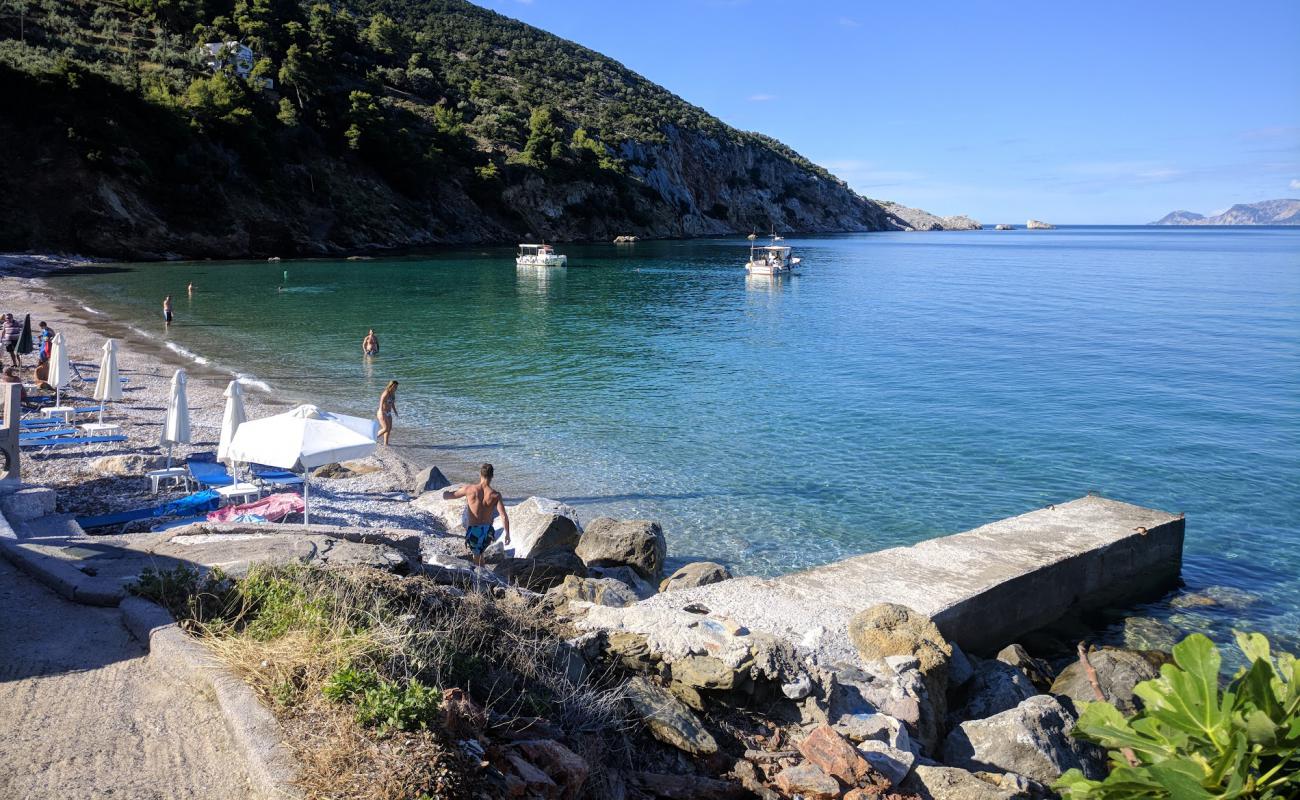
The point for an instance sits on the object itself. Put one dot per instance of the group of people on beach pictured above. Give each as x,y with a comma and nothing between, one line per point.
11,336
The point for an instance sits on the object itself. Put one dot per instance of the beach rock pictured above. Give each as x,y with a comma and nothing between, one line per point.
891,762
1038,671
236,553
331,471
1118,671
952,783
626,576
668,718
960,668
889,629
703,672
632,651
603,591
450,514
563,766
995,688
835,755
904,696
799,688
807,780
1038,225
544,572
429,480
697,573
530,781
131,465
859,728
635,543
538,526
1033,739
1228,597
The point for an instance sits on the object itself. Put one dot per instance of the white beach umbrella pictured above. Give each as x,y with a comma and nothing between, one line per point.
107,385
233,417
176,426
60,369
303,439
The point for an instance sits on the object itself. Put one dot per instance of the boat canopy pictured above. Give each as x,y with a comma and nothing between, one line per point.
542,247
774,248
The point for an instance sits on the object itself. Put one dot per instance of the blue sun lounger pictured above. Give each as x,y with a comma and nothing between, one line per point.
45,433
70,441
208,473
275,476
199,502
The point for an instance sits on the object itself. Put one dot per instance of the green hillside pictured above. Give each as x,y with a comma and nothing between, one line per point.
362,124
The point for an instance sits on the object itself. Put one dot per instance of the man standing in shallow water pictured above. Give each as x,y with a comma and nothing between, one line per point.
482,501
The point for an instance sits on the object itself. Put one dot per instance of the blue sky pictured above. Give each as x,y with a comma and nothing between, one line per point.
1090,112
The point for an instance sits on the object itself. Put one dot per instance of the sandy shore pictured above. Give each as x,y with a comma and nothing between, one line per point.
376,499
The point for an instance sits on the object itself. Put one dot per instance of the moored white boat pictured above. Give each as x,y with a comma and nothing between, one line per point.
771,259
539,255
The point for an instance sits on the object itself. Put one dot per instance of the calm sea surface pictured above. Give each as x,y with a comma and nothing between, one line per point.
903,386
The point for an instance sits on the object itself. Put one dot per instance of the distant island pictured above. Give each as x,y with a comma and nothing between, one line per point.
1265,212
157,129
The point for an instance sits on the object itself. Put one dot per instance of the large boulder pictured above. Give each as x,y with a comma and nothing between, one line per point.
996,687
889,629
1118,671
668,718
1033,739
808,781
696,573
543,572
429,480
892,762
601,591
538,526
951,783
626,576
635,543
1038,671
902,694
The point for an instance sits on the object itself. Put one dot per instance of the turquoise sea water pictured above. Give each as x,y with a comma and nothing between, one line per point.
903,386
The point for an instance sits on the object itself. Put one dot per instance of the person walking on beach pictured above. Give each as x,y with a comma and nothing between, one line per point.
482,502
10,331
387,410
370,344
47,342
167,309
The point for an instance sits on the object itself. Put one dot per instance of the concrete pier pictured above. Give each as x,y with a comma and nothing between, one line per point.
983,588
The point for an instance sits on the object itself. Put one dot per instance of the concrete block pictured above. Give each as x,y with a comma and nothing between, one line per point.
27,502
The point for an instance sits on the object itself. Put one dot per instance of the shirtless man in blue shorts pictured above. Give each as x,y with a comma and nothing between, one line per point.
483,502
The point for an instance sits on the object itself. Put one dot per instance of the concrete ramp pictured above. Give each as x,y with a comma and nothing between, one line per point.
983,588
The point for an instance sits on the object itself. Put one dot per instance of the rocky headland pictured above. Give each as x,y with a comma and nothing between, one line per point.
1265,212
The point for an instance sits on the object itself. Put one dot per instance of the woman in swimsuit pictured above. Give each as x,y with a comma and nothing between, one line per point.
387,410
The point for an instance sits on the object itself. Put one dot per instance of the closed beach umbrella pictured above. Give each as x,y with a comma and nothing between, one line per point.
60,369
233,417
176,426
107,385
25,340
303,439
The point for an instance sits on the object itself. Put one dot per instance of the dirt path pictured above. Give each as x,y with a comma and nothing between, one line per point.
85,714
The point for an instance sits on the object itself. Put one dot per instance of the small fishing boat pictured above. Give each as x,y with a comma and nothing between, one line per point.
539,255
772,259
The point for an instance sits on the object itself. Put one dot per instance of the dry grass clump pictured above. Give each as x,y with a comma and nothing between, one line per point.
356,664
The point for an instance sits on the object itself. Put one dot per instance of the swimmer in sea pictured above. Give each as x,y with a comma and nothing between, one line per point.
370,344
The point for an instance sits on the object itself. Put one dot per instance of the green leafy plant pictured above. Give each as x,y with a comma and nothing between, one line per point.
390,706
349,683
1193,739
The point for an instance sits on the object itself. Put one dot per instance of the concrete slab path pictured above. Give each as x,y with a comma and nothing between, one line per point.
84,713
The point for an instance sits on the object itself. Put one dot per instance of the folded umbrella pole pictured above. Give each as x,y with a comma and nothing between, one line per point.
107,385
176,425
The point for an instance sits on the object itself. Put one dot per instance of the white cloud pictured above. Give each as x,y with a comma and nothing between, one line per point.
762,98
847,22
1294,184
